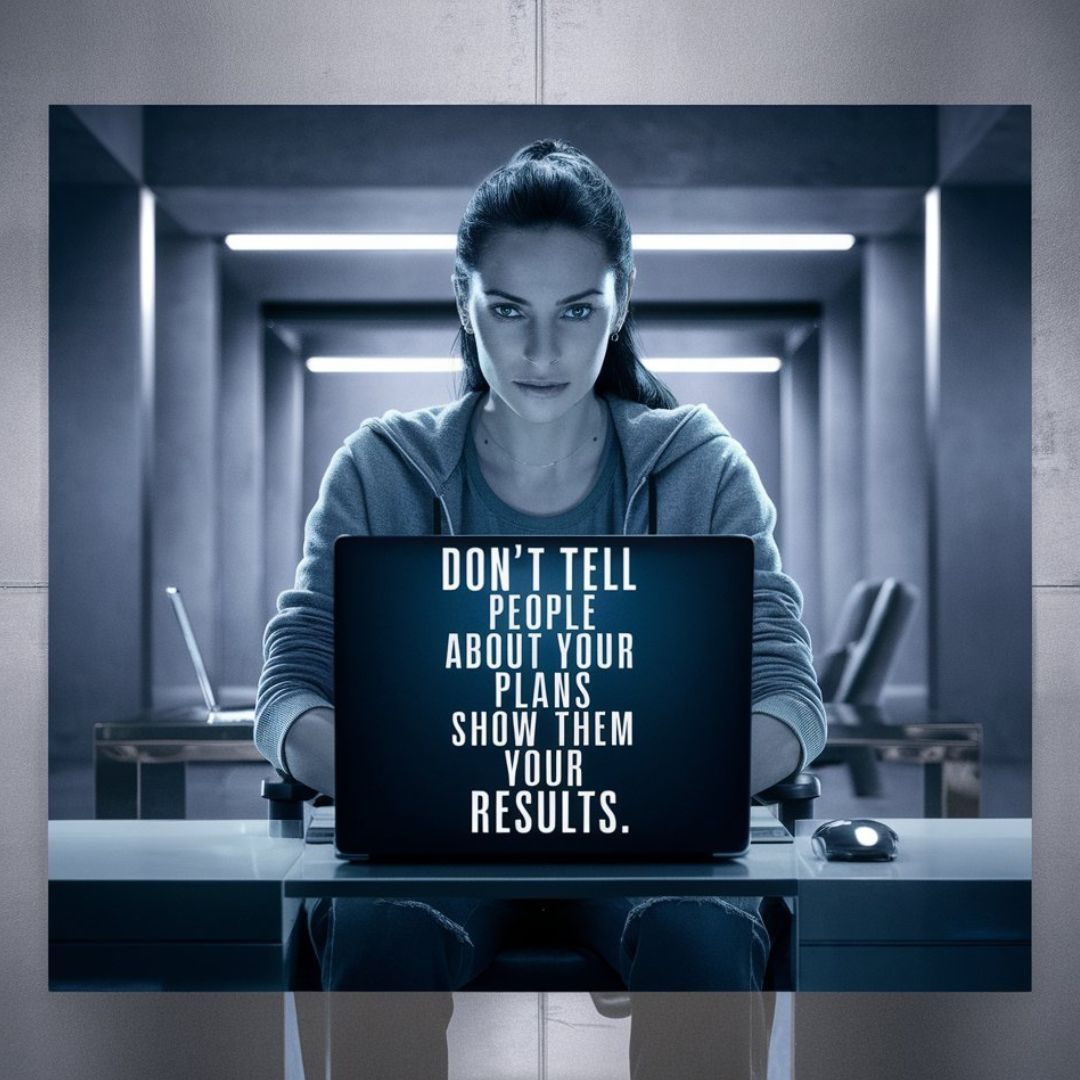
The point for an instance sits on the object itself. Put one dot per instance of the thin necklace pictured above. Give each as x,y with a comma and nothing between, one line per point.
532,464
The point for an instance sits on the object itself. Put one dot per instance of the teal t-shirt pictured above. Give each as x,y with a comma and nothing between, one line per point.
599,512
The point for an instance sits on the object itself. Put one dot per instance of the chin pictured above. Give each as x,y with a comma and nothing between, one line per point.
543,409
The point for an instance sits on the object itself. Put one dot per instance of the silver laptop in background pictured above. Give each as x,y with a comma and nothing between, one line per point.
215,714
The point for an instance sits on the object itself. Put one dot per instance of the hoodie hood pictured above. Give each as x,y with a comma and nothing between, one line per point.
432,440
403,475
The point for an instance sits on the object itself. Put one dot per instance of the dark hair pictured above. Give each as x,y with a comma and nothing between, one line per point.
550,182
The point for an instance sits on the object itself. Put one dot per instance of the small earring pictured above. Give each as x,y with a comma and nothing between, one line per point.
466,328
615,336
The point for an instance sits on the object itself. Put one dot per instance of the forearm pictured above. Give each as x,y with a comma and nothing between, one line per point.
774,752
309,749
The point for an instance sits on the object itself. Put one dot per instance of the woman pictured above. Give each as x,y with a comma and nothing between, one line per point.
561,430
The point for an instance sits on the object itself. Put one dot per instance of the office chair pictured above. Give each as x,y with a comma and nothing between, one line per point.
855,667
534,953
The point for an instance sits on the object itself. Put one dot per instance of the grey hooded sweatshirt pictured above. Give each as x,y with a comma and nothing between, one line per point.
402,474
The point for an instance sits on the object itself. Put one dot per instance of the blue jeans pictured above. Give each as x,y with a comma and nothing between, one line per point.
656,944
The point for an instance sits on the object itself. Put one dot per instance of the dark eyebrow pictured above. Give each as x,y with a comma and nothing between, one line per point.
564,300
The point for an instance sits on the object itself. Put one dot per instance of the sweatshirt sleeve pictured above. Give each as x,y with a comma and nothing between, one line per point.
783,683
298,644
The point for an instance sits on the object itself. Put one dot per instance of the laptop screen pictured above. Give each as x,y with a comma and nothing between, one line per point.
553,697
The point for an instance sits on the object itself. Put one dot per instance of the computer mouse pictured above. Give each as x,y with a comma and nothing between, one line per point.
855,840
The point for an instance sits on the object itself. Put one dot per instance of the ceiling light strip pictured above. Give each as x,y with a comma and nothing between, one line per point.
395,365
727,365
743,241
683,242
381,365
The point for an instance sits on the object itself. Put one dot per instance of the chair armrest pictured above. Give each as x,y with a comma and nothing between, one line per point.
285,805
794,798
613,1004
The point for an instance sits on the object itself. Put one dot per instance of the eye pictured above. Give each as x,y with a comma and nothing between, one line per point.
583,311
505,311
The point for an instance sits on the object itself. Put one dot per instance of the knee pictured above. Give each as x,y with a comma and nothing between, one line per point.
390,945
695,943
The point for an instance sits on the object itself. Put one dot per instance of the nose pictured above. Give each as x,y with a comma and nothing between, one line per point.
542,346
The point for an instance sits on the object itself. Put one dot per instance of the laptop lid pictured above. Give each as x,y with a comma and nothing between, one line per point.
215,714
542,697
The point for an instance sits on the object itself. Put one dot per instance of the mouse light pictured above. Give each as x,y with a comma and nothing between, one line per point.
866,836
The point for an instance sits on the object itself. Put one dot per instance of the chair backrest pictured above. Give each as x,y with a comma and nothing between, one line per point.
871,656
853,615
829,665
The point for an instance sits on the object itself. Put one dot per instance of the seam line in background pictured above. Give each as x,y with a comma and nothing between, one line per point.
538,61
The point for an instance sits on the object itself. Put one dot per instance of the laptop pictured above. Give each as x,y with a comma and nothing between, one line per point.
542,697
215,713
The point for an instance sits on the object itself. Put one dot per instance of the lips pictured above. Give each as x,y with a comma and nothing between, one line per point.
539,385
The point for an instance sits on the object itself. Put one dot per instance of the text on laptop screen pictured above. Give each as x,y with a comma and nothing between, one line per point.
530,695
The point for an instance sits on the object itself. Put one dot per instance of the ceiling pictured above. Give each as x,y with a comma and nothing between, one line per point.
862,170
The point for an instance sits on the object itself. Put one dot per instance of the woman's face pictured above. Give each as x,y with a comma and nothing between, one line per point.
542,306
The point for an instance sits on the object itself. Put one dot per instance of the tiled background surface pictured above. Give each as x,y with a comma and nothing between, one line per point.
115,51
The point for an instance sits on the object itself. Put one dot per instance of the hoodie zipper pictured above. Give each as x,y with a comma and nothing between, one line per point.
424,476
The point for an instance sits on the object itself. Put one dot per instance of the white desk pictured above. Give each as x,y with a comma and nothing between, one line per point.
168,905
953,911
213,905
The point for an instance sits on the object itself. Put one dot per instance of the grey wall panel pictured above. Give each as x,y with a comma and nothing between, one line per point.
981,536
841,405
283,507
55,52
744,51
889,53
800,506
96,539
896,467
819,146
185,521
240,540
24,383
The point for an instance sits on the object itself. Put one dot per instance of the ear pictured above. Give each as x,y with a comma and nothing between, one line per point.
629,291
460,299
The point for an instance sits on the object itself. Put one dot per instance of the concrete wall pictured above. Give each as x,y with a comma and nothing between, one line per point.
185,522
925,51
242,611
841,462
800,510
980,393
895,462
97,338
283,472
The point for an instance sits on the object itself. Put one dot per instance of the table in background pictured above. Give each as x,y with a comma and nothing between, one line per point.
140,766
947,748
